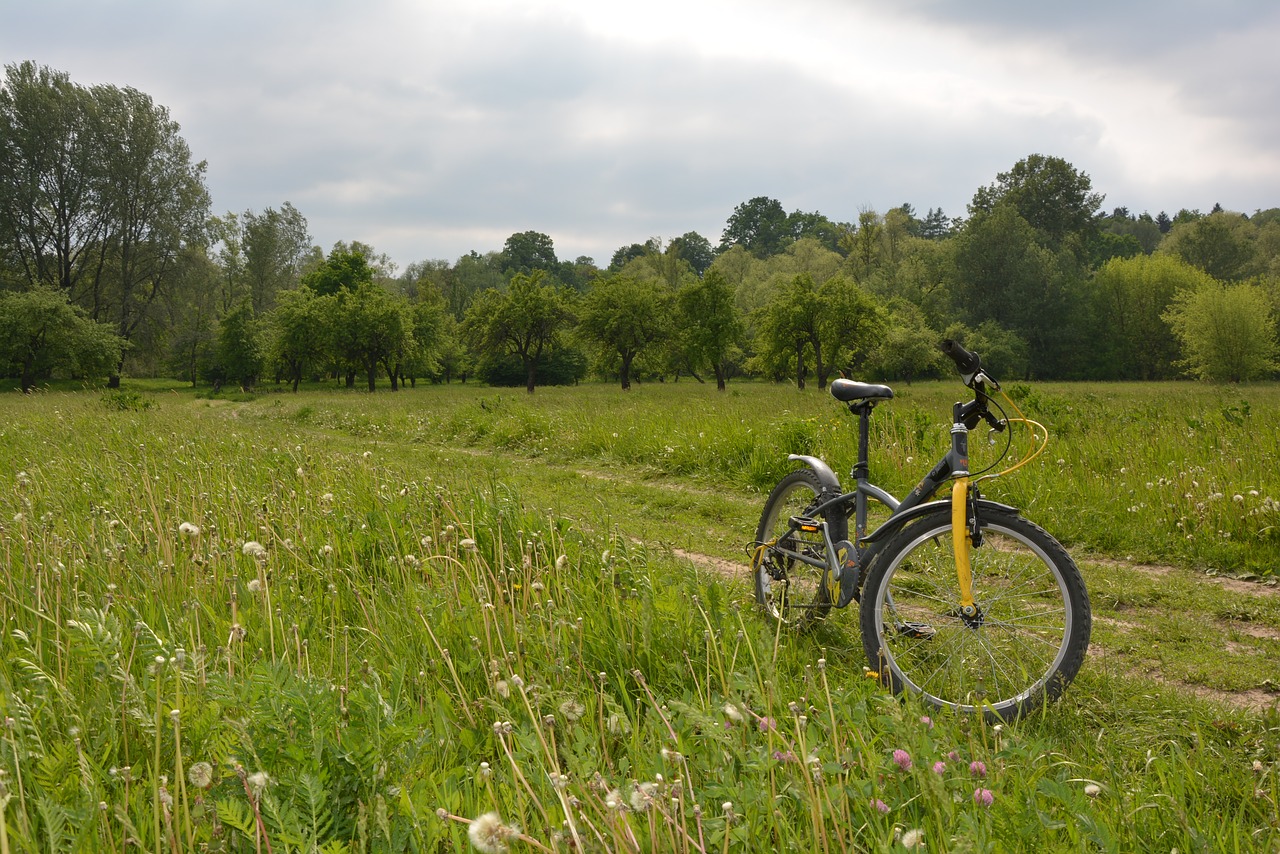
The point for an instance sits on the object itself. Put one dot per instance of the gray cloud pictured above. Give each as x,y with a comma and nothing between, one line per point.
429,131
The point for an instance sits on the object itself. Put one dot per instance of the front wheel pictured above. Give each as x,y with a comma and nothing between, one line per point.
1022,646
789,565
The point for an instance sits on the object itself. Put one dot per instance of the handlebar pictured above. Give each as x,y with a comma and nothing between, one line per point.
967,362
970,366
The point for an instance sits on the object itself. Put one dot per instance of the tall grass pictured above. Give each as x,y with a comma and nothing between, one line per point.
285,625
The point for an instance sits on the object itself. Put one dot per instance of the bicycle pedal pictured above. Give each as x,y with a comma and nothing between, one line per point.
919,631
804,523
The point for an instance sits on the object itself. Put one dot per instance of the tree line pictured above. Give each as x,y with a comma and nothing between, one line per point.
111,261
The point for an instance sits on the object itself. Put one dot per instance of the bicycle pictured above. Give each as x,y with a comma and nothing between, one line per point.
962,601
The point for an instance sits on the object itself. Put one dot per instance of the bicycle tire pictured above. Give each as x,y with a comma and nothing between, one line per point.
1021,650
789,590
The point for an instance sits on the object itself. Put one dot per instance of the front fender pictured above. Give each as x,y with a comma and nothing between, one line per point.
895,523
826,477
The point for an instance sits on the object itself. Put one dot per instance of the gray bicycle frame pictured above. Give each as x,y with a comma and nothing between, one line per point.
916,503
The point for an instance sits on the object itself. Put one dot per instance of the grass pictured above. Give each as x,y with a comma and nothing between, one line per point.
470,600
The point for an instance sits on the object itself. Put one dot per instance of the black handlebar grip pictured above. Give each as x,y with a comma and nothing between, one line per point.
967,361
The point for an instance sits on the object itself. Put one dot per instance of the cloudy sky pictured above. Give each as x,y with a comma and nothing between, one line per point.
428,128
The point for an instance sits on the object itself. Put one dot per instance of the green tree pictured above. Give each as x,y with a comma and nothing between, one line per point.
695,250
837,323
238,354
1222,244
760,225
1055,198
377,329
274,242
1132,295
528,251
525,321
1227,332
42,334
622,317
297,333
710,324
906,347
343,269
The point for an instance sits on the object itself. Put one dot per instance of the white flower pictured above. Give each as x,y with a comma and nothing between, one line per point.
253,548
913,839
189,530
254,585
1093,790
489,835
328,496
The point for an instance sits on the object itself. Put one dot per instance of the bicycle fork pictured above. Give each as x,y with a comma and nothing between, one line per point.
960,509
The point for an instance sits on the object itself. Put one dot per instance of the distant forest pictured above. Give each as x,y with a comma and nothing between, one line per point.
112,263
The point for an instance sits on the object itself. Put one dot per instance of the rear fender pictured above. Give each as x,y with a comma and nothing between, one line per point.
826,477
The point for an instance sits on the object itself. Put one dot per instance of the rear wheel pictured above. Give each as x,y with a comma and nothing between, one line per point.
788,588
1021,648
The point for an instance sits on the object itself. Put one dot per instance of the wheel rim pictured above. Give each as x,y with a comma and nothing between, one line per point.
1001,659
789,588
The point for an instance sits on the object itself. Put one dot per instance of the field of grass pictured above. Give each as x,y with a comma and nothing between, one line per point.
349,622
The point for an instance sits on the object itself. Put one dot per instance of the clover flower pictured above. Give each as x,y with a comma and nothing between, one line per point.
902,759
880,806
978,768
983,797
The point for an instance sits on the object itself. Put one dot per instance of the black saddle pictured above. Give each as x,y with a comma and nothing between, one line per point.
849,391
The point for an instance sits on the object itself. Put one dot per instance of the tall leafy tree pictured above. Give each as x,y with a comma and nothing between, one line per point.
527,251
343,269
623,317
695,250
238,354
297,333
525,321
274,243
1132,296
760,225
710,324
1055,198
1222,244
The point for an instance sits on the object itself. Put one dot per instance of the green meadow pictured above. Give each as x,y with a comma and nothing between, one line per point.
460,616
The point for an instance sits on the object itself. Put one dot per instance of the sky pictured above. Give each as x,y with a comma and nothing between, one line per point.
429,129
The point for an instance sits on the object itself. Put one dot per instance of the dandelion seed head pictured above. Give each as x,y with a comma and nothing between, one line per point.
488,834
200,775
254,585
642,796
189,530
572,710
258,781
255,549
1093,790
913,839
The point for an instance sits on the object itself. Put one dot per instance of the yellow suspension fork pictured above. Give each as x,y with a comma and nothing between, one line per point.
960,544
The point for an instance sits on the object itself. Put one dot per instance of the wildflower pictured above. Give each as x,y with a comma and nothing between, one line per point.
572,710
902,759
766,724
254,585
913,839
326,550
983,797
562,563
327,497
1257,766
927,721
953,756
978,769
781,756
488,834
732,713
367,454
255,549
468,544
939,768
642,796
879,806
258,782
1093,790
200,775
613,800
189,530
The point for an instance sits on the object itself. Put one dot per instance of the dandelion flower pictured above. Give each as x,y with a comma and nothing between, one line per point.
613,800
983,797
200,775
189,530
468,544
327,497
642,796
902,759
1093,790
913,839
255,549
254,585
572,710
489,835
258,782
732,713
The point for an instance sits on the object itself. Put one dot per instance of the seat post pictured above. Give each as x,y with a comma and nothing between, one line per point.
861,470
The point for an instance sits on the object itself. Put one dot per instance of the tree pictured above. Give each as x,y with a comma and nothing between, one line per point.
238,354
695,250
835,324
709,323
274,245
1049,193
1222,244
297,331
1132,295
523,322
622,317
1227,332
41,334
906,347
344,269
377,330
528,251
626,254
760,225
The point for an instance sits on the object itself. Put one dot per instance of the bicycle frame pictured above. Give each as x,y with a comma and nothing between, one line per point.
954,465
